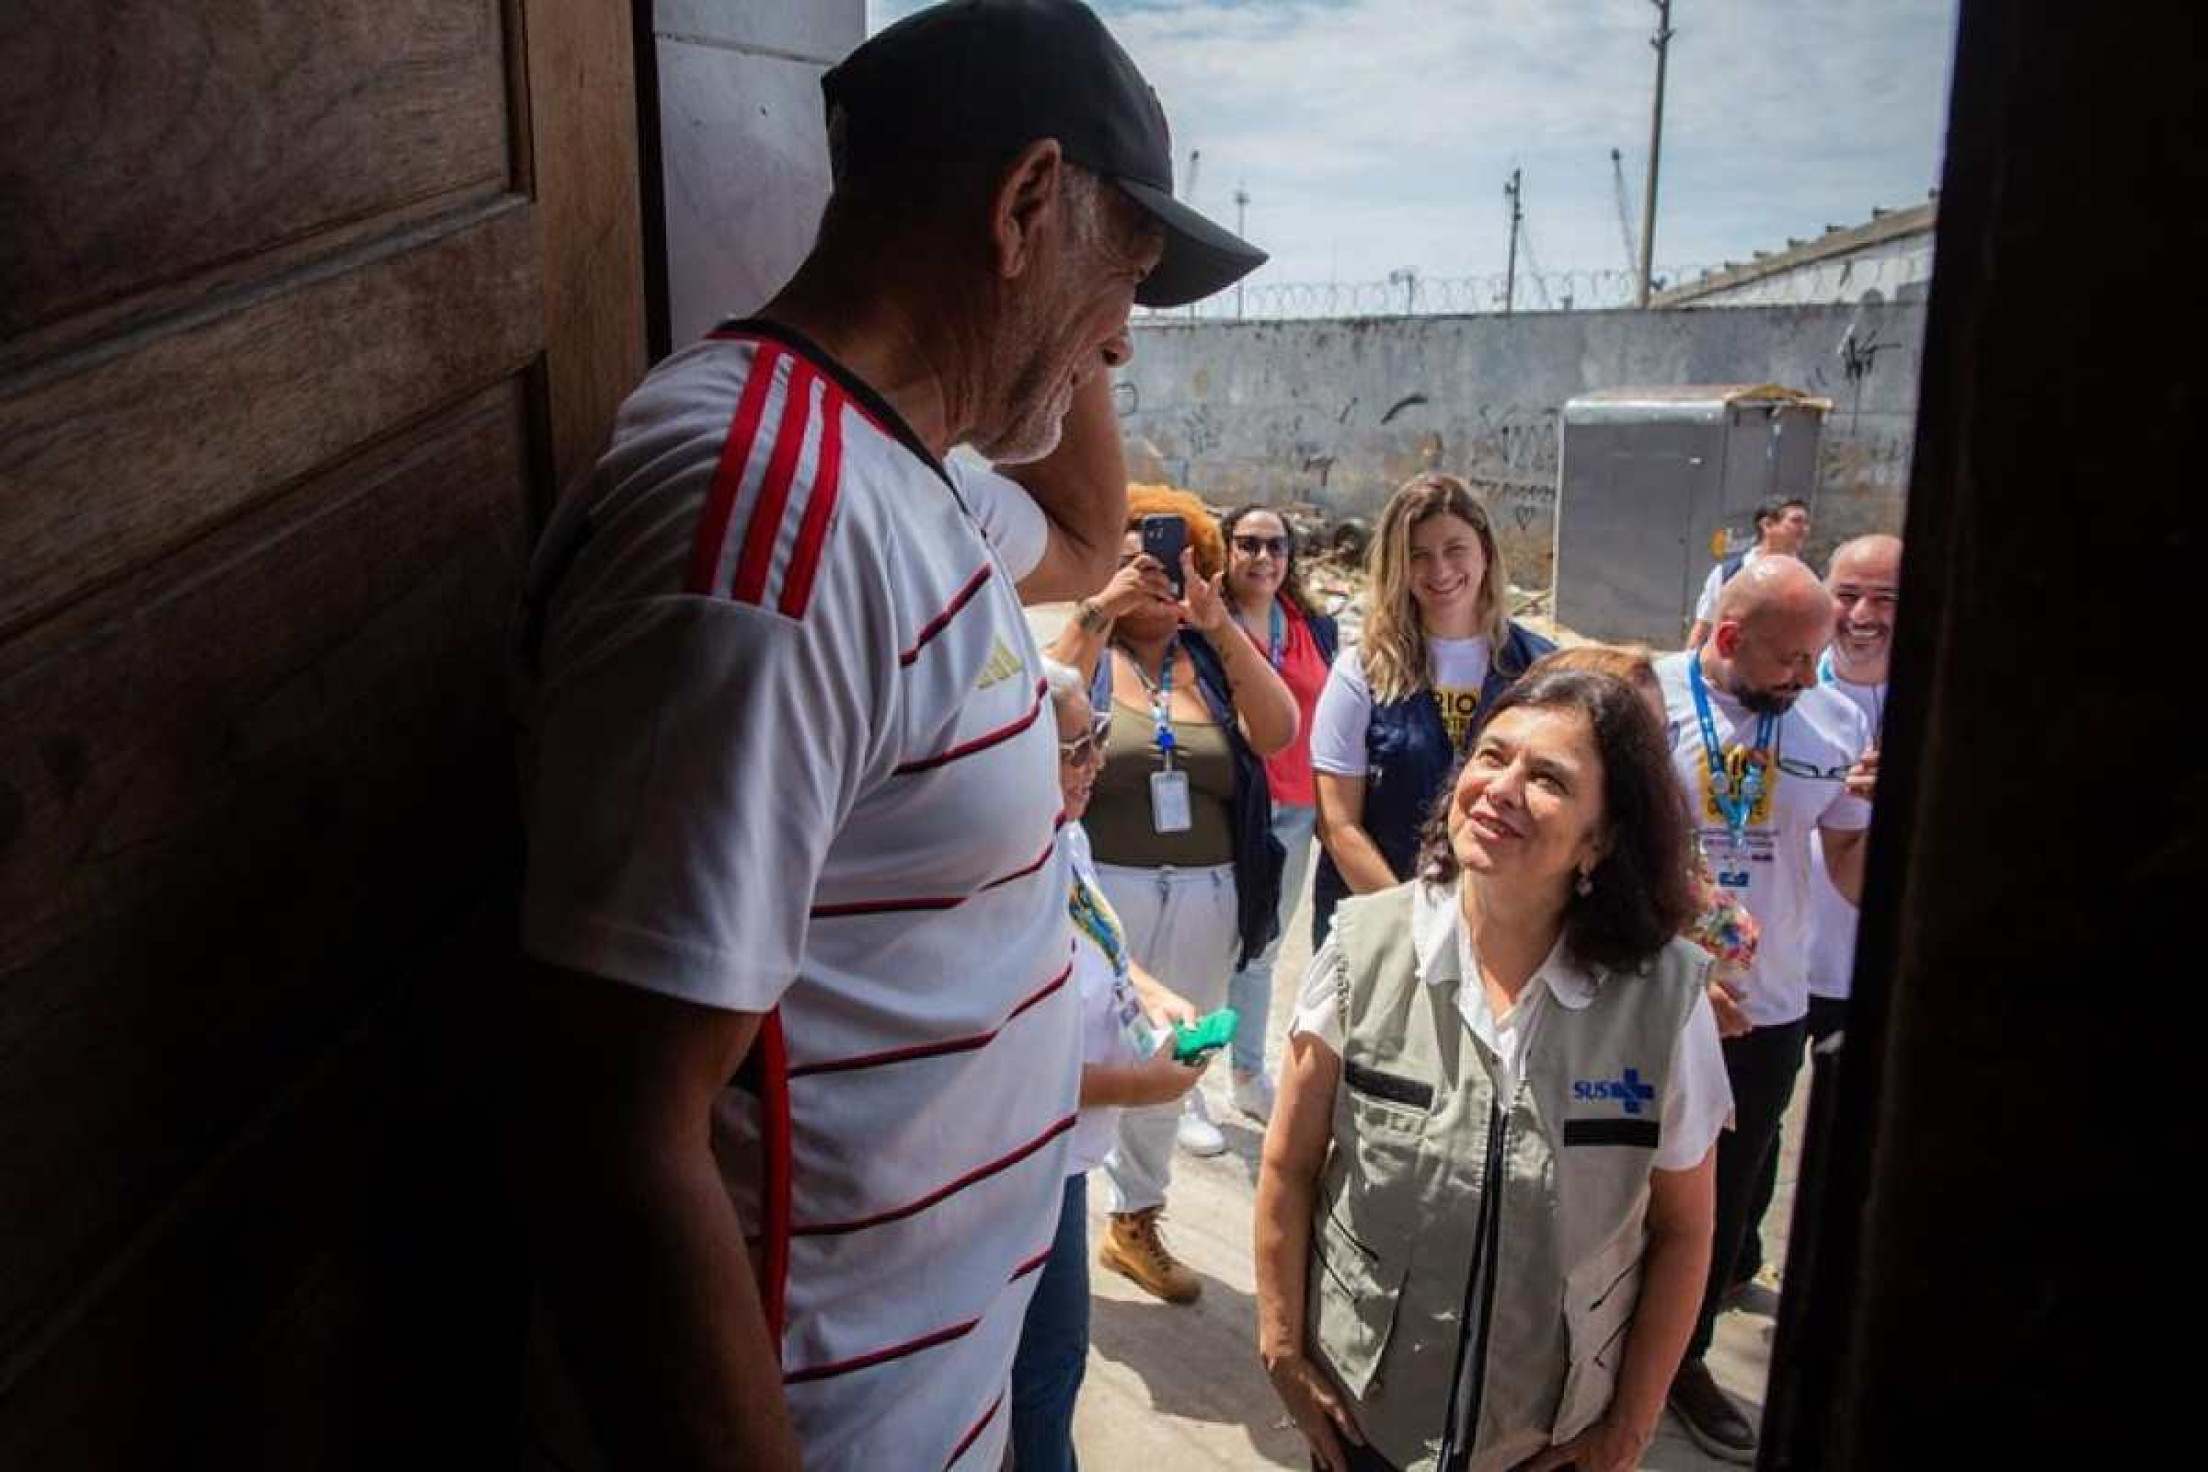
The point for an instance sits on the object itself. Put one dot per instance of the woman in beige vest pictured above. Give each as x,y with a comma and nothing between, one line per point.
1483,1220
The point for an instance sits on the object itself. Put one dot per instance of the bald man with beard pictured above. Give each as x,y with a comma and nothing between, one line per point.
1864,579
1772,763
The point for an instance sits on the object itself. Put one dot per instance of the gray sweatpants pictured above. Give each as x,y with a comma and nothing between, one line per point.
1181,928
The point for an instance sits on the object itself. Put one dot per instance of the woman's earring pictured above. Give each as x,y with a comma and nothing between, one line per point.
1585,885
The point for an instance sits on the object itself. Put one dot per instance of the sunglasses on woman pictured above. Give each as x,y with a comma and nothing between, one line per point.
1252,546
1088,746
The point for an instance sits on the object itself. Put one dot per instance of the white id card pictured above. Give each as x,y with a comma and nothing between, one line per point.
1169,802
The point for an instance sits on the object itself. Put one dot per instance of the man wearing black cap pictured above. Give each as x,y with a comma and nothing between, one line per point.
802,1061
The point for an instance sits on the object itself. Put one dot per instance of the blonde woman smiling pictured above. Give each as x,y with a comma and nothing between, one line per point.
1391,724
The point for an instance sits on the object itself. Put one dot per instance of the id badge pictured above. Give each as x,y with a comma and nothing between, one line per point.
1729,862
1169,802
1133,1026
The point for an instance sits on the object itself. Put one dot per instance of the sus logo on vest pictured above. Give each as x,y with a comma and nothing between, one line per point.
1628,1090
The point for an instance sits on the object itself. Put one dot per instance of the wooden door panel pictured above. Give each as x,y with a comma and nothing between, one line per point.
221,772
119,454
222,129
299,1305
304,310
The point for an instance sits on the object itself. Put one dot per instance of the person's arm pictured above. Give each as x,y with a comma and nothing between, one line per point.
1674,1270
1844,852
1845,847
1264,708
1165,1005
1287,1188
1081,489
639,1249
1087,631
1705,608
1341,829
1156,1080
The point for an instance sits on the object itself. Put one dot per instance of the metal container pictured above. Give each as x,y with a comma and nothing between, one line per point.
1656,484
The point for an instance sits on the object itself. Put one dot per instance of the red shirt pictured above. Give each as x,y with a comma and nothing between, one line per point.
1288,771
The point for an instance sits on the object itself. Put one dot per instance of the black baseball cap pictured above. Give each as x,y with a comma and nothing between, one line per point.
1003,73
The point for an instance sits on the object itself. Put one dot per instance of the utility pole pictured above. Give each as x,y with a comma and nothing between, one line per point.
1188,196
1517,216
1662,43
1241,210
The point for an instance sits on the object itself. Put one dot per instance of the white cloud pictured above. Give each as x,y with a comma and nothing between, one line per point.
1373,134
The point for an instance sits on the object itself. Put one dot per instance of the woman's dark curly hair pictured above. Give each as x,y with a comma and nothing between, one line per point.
1642,894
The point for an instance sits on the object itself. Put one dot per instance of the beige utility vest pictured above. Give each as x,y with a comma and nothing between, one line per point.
1430,1176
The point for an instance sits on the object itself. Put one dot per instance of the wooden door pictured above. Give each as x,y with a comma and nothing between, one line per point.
306,312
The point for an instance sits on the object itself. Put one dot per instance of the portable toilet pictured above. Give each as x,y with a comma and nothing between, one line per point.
1656,484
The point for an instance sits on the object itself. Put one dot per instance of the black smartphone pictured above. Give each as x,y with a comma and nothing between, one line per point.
1163,537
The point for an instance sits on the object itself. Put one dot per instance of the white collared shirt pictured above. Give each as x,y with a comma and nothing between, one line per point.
1698,1099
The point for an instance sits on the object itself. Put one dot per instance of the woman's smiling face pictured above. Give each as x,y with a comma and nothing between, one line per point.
1529,803
1448,567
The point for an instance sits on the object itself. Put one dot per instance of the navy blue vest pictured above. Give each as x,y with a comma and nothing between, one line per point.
1408,761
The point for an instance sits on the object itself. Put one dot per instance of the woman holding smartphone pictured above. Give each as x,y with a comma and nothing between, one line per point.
1180,821
1438,649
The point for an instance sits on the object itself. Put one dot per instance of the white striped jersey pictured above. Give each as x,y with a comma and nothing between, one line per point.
792,753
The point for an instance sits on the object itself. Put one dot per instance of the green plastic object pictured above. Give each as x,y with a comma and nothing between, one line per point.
1193,1042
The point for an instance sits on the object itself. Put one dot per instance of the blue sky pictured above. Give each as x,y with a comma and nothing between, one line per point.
1376,134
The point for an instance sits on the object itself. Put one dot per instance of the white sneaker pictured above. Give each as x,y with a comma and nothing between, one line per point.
1253,1094
1196,1133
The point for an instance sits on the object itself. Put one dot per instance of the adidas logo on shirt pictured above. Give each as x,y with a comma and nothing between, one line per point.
1003,665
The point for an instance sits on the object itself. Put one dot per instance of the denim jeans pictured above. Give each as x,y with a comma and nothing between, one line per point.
1250,989
1054,1344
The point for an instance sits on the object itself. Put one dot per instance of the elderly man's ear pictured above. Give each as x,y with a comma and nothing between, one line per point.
1027,198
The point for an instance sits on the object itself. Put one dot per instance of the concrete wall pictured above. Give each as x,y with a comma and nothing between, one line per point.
1341,412
744,148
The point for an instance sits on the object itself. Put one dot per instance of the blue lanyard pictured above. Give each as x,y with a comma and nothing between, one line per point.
1094,914
1161,699
1735,806
1278,643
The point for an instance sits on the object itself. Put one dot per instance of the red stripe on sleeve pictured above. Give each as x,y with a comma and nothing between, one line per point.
774,492
812,532
728,476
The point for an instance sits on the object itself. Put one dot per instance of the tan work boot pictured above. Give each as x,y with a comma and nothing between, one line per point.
1133,1249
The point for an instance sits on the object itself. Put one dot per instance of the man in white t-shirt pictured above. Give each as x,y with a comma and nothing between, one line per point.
1781,526
1864,578
1772,766
802,1053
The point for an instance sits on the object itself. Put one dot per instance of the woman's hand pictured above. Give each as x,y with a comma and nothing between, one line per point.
1732,1018
1204,609
1315,1407
1607,1446
1139,584
1162,1079
1165,1006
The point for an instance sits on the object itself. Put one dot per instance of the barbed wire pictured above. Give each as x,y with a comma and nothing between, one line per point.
1410,293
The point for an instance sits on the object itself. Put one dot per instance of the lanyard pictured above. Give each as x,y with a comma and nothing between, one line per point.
1276,643
1161,698
1094,914
1735,806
